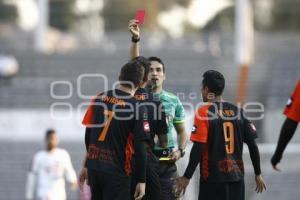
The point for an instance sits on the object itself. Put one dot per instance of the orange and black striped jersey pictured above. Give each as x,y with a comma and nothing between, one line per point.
115,122
292,109
222,128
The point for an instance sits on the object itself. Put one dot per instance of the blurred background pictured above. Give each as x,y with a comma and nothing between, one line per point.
54,53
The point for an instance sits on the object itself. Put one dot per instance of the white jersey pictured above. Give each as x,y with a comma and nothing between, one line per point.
48,171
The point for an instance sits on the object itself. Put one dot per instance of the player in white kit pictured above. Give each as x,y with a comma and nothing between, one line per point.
50,168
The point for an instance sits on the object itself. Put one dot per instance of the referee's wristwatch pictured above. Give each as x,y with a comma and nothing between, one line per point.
182,152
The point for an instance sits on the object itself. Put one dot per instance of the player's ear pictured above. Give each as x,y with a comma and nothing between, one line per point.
140,84
206,90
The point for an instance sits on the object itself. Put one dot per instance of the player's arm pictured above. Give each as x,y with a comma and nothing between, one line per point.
161,128
135,33
31,179
199,136
255,158
180,130
194,160
287,132
250,136
181,139
139,133
88,122
83,174
254,155
181,134
70,172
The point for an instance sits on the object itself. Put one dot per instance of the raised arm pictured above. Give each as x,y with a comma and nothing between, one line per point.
135,33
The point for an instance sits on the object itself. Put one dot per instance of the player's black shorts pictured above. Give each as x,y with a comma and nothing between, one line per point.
167,175
108,187
222,191
153,189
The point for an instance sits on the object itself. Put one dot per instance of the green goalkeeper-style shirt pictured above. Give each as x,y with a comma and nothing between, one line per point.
174,113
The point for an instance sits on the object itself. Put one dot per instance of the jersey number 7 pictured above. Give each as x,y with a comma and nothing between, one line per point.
108,115
228,130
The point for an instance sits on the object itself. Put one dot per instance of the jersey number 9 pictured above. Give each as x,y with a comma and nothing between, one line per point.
228,130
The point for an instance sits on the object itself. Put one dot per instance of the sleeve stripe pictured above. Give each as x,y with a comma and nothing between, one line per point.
178,121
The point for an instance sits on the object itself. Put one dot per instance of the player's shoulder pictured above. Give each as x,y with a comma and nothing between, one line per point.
39,155
203,108
99,94
62,151
230,105
142,94
297,89
167,94
170,96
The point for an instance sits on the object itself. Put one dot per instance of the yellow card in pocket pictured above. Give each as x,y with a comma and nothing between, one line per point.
164,159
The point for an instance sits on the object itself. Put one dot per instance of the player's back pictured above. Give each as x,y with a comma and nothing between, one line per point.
114,117
155,114
222,158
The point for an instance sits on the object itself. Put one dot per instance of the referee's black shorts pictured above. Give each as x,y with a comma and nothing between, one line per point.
108,187
222,191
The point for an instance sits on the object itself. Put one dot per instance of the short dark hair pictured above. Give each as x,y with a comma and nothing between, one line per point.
49,132
215,82
146,64
157,59
132,72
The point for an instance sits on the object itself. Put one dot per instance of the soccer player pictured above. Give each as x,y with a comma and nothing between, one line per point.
219,130
49,167
158,127
175,115
116,128
292,113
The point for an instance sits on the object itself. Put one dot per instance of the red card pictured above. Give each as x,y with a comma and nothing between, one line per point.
140,16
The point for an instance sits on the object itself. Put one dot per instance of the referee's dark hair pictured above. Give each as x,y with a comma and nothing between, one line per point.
131,73
214,81
157,59
49,132
146,64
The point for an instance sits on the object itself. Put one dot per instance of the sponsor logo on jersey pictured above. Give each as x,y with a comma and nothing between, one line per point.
253,127
146,127
145,116
194,129
289,102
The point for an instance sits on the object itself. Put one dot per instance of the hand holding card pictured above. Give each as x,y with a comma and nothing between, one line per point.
140,17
